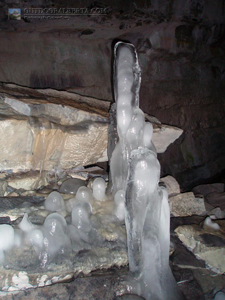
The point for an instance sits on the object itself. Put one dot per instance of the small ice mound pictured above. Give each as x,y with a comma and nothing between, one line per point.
70,186
119,199
212,225
36,238
147,173
6,240
81,219
99,188
84,194
54,202
55,239
219,296
55,222
26,225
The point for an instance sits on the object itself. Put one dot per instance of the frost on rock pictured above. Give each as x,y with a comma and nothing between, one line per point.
135,173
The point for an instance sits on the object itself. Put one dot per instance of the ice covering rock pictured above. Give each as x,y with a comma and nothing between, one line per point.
135,172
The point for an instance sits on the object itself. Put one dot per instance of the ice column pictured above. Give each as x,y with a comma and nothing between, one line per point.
135,171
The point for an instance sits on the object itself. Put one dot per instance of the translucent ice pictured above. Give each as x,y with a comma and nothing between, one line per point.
56,240
99,188
81,219
6,240
84,194
135,173
119,199
6,236
70,186
80,216
25,224
36,238
55,222
209,223
54,202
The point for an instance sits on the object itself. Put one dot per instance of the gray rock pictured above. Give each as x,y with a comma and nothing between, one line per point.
206,244
206,189
3,186
185,204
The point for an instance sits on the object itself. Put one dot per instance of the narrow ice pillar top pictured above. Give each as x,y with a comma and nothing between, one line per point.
127,78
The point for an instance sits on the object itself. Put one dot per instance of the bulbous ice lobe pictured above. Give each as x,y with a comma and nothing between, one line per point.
147,174
81,216
124,116
81,220
6,237
54,223
54,202
70,186
84,194
99,188
119,199
147,135
135,130
36,238
56,240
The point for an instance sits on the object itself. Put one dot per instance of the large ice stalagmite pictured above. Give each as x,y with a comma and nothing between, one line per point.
135,171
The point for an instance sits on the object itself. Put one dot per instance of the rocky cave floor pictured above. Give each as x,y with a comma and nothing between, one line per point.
197,250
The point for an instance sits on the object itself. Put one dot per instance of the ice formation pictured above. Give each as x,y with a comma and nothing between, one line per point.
209,223
54,202
70,186
135,172
25,224
6,239
99,188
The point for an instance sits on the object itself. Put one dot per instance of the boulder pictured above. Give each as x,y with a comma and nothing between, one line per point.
186,204
51,130
206,244
205,189
172,185
216,199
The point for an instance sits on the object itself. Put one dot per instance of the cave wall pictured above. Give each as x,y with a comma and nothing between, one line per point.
181,52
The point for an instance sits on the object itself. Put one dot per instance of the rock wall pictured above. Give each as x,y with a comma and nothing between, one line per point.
181,51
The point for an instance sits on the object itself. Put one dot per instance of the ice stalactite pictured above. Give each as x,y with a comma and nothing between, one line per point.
135,172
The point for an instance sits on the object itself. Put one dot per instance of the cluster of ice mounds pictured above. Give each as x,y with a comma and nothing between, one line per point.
56,237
